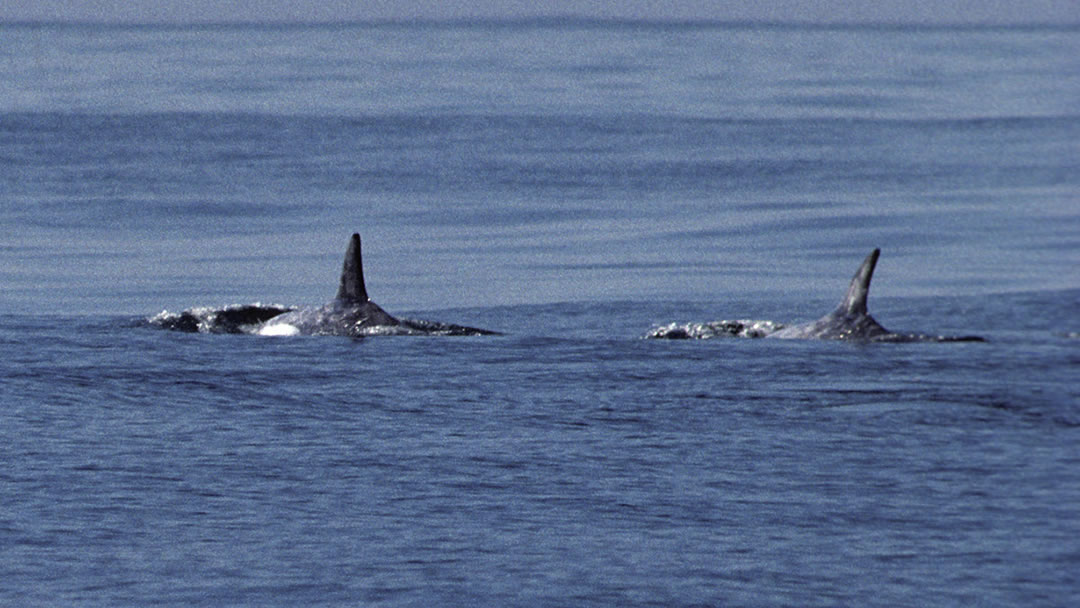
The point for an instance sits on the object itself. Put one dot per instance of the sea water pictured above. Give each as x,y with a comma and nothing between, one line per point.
572,185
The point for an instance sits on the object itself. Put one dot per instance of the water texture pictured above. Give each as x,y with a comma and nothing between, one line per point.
573,185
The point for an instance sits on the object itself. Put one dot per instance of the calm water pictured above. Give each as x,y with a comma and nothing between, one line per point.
572,185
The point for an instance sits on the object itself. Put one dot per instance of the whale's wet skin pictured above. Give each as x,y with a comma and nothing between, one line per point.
350,313
238,319
850,320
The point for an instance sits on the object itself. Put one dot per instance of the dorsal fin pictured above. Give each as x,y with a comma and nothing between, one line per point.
352,274
855,301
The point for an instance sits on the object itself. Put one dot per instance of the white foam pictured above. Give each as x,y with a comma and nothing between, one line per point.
279,329
743,328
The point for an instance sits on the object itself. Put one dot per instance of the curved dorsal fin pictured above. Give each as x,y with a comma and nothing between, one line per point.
855,301
352,274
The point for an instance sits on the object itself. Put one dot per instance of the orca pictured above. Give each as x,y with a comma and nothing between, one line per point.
352,313
235,319
852,321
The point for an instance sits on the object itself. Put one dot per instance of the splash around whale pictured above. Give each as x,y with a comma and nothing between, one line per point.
851,320
350,313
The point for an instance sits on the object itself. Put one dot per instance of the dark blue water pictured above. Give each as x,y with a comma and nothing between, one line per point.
571,185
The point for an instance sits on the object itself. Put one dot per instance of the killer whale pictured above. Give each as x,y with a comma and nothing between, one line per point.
352,313
851,320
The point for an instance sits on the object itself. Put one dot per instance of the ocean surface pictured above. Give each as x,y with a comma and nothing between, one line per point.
572,185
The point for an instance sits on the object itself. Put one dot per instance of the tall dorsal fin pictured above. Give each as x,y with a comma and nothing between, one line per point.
855,301
352,274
